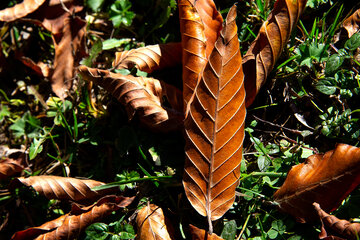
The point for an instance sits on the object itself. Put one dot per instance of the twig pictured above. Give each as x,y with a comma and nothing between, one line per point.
276,125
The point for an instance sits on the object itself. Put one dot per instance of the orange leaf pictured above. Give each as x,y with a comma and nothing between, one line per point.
151,224
352,23
73,34
323,178
212,21
149,58
267,47
342,227
214,128
141,96
71,225
200,234
55,187
20,10
194,47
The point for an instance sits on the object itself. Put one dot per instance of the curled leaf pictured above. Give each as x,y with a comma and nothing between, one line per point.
10,166
20,10
150,58
141,96
63,188
194,47
71,225
65,50
268,45
212,21
151,224
323,178
214,128
352,23
201,234
342,227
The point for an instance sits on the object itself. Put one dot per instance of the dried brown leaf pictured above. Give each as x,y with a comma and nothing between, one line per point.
64,188
71,225
352,23
10,166
194,47
151,224
150,58
268,45
342,227
200,234
20,10
212,21
65,51
323,178
141,96
214,128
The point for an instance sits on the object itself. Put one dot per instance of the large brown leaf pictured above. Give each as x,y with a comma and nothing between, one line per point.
64,188
150,58
268,45
342,227
352,23
201,234
151,224
323,178
71,225
65,51
194,47
214,128
141,96
20,10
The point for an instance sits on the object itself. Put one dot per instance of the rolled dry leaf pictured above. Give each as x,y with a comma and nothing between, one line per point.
142,97
149,58
352,23
65,188
323,178
65,50
71,225
152,224
193,41
13,164
20,10
214,128
342,227
268,45
201,234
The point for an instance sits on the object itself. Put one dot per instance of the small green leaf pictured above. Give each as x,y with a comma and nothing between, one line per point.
94,52
35,148
229,231
114,43
326,86
333,63
95,5
272,234
353,42
97,231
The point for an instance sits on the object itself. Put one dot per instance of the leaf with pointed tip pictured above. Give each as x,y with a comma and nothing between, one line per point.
149,58
323,178
72,224
352,23
141,96
65,50
64,188
20,10
214,128
201,234
151,224
268,45
342,227
194,47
